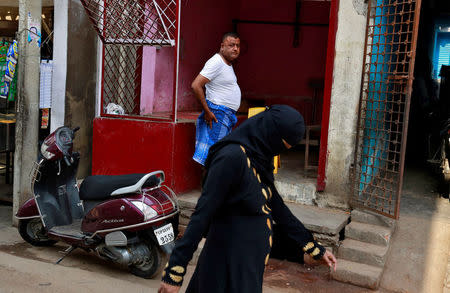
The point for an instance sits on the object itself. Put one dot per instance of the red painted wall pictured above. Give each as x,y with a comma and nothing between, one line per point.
164,79
270,70
203,22
122,146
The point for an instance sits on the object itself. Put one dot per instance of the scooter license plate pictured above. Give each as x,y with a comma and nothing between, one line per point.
164,234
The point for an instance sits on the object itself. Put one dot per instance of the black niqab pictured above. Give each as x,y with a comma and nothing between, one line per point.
262,135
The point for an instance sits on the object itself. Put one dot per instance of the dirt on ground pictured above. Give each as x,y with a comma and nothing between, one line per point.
291,277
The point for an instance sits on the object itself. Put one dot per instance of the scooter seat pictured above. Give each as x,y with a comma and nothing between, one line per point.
100,187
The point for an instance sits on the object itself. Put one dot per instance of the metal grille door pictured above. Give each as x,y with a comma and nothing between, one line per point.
145,22
391,36
125,27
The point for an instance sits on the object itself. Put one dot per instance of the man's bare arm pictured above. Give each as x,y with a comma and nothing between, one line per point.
197,87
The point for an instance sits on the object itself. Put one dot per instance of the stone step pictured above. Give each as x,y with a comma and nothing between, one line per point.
188,201
362,252
363,275
302,193
368,233
319,220
291,188
368,217
325,223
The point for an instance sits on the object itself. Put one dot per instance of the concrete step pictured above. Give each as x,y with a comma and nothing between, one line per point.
293,191
319,220
368,217
358,274
368,233
362,252
324,223
188,201
291,188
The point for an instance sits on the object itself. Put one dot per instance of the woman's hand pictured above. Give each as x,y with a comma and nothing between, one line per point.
329,259
166,288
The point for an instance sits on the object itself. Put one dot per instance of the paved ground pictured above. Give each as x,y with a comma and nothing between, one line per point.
418,261
24,268
418,258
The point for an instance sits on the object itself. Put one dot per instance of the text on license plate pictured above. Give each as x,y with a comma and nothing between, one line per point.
164,234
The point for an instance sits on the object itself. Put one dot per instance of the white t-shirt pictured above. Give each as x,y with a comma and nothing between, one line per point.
222,88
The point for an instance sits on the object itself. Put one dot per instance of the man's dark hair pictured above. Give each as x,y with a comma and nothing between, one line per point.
230,34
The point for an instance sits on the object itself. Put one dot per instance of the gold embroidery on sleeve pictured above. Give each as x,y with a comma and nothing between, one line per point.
264,193
178,269
175,278
315,252
243,149
269,224
308,246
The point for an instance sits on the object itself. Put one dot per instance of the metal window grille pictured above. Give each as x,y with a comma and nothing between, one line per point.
125,27
122,77
384,104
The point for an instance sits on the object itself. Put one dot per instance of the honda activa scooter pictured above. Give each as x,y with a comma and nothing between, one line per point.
128,219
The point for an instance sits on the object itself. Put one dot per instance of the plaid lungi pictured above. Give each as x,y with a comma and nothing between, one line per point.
205,137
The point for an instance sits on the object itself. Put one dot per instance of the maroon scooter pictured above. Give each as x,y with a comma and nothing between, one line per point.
131,219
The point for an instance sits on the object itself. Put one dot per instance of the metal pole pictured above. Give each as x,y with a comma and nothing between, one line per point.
177,63
27,117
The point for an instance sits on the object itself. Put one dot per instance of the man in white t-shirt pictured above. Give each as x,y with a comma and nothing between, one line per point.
222,98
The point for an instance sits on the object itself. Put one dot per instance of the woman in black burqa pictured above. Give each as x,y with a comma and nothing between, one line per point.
238,208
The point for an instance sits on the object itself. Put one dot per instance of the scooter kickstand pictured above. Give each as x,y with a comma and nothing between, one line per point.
66,253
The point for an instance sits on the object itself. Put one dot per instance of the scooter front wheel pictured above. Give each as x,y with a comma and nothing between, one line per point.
33,232
152,264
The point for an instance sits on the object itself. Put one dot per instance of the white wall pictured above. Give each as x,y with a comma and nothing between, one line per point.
345,96
59,64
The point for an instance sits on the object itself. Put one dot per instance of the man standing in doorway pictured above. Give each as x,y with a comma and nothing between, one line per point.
222,98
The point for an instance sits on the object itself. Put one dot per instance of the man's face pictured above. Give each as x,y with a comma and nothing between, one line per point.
230,48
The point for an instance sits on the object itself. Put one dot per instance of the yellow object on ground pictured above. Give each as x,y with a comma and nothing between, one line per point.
276,160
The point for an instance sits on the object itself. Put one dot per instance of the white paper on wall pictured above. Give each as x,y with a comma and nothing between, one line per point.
45,100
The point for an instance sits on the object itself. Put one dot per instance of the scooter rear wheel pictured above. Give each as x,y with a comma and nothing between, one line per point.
33,232
152,265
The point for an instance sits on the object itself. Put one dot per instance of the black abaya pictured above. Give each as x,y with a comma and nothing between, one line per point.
237,209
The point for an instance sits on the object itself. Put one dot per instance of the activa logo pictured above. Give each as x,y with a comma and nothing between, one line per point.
113,221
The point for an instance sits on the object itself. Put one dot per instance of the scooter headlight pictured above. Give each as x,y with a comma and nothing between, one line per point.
48,155
147,210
